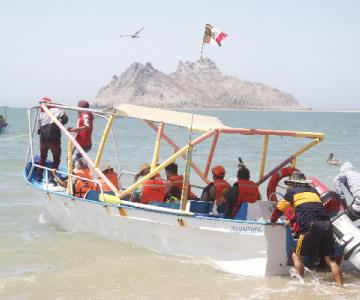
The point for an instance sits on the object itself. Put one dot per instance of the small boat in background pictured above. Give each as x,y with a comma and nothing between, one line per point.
332,161
3,123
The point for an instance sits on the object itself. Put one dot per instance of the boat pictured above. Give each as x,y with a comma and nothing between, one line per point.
246,245
332,161
3,123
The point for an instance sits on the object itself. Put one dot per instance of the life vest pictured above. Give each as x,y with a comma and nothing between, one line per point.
83,137
153,190
248,192
81,185
178,181
221,185
113,177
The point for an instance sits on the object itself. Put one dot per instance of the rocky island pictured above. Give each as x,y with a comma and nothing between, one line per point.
144,85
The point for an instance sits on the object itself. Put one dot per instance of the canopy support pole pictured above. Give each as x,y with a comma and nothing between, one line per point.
70,167
211,153
155,159
103,140
176,148
186,183
263,156
165,163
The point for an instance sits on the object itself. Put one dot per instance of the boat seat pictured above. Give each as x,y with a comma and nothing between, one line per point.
255,211
94,195
47,163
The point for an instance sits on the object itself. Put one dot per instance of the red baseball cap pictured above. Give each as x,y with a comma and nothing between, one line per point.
45,99
218,170
83,104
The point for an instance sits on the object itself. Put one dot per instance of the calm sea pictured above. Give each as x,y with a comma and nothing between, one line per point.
41,261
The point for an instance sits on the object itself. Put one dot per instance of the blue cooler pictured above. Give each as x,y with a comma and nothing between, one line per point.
200,207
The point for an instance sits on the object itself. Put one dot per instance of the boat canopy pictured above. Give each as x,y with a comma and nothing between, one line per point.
181,119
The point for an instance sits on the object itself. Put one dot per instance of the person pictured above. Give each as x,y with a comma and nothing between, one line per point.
174,182
50,136
137,193
349,180
2,121
150,190
109,172
244,190
331,160
83,130
80,186
316,235
215,189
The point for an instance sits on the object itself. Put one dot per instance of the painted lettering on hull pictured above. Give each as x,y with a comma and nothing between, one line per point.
247,229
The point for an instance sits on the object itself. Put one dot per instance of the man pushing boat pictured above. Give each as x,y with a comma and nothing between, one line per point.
316,235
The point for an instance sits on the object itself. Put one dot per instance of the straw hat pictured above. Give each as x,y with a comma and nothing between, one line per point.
105,167
143,167
297,178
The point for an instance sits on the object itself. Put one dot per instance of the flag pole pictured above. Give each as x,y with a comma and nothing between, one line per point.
185,188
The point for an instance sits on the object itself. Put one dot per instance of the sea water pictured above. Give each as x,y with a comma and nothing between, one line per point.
41,261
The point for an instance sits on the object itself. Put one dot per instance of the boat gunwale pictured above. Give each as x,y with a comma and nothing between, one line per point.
152,209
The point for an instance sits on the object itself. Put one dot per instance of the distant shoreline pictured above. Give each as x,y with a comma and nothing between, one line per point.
240,109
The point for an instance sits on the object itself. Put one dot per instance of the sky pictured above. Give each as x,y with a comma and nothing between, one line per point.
68,50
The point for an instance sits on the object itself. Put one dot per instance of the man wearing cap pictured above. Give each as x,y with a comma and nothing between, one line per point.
316,236
83,130
215,189
50,136
349,180
243,190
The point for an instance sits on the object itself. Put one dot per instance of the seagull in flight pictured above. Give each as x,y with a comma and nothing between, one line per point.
134,35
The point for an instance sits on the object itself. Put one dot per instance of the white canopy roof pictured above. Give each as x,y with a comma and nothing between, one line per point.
181,119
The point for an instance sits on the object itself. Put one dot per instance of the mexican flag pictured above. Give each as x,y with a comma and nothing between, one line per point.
213,35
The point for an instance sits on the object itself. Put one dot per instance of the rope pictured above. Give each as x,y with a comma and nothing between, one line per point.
13,137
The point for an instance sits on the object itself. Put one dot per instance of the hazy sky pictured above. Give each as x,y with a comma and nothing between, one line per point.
68,50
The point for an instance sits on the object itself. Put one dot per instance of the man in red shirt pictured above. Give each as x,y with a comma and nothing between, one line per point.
83,130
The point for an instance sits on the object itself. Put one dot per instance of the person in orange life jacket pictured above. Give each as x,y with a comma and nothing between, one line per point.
214,190
83,130
80,186
50,136
316,235
152,189
244,190
137,193
109,172
175,181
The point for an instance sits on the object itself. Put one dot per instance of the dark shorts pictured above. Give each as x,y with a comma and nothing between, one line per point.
318,239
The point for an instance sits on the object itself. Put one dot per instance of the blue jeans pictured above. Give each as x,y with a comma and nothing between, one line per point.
77,155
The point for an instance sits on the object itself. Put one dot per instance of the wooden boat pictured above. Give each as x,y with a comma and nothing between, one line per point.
247,245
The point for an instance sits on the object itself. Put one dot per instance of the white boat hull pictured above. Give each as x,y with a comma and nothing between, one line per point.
241,247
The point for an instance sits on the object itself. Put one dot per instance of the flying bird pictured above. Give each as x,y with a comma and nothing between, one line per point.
135,35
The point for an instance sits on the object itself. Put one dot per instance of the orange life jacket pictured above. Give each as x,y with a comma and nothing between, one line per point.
220,185
81,185
113,177
153,190
178,181
248,192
